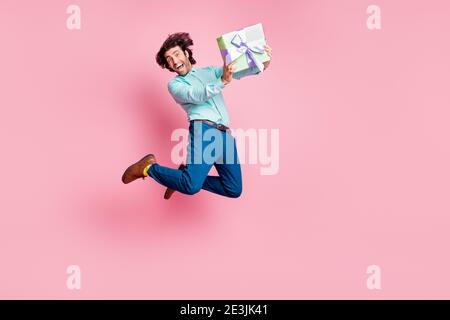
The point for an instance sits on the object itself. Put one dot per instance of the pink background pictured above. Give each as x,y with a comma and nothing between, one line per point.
364,153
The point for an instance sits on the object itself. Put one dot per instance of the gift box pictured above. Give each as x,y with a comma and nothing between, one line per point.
246,47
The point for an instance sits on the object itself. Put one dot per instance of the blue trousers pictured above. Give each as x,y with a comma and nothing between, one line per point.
207,146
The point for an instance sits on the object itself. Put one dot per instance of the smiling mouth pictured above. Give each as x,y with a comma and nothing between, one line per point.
179,66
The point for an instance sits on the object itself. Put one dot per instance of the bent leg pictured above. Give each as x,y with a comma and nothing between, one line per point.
229,181
187,181
191,179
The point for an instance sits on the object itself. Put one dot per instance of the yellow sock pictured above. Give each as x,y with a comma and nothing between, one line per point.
146,169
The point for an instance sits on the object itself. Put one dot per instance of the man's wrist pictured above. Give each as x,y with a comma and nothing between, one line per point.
224,81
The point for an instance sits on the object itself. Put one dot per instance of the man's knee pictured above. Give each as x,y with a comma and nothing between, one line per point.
192,189
235,192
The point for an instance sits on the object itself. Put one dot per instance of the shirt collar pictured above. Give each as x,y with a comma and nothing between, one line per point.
193,70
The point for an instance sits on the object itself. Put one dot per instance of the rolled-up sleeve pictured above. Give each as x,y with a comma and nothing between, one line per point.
184,93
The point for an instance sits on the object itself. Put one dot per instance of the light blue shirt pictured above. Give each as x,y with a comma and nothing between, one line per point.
199,92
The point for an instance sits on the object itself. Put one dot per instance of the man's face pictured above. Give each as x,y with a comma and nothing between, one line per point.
178,60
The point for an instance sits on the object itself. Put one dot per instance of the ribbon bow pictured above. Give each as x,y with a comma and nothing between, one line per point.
241,46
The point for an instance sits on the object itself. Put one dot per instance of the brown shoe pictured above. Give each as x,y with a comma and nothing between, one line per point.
169,192
136,170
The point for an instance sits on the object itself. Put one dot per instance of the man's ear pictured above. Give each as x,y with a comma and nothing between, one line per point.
186,53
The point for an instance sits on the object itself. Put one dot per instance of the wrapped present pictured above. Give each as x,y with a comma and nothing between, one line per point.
246,47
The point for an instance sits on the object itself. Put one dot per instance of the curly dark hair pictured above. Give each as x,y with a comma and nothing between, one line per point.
181,39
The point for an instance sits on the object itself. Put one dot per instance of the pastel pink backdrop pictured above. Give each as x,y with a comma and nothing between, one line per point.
364,152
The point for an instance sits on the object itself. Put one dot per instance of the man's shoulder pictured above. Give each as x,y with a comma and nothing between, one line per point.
214,71
202,68
209,69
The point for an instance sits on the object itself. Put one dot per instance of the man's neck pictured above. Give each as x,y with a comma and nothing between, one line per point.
188,71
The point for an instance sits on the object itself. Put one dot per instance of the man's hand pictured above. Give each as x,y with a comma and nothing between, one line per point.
228,71
268,50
